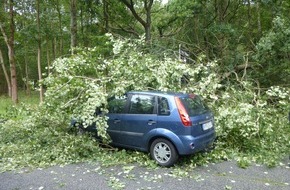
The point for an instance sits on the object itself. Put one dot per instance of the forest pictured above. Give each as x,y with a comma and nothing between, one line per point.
76,54
239,34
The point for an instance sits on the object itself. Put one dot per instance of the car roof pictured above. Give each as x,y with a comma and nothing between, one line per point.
159,93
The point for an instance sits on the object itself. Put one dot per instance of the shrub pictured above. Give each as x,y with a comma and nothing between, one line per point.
273,54
254,122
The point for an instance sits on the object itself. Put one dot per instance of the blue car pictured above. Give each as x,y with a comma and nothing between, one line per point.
165,124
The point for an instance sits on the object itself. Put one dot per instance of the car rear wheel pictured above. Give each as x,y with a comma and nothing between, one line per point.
163,152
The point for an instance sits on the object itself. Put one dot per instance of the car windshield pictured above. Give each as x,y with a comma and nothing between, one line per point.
194,105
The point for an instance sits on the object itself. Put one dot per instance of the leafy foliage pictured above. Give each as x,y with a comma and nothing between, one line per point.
251,123
273,51
82,83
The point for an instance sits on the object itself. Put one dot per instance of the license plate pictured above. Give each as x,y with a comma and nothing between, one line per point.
207,126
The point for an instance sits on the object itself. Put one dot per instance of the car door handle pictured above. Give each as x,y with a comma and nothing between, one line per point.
151,122
117,121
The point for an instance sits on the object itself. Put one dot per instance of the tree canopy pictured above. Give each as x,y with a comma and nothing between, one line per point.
249,34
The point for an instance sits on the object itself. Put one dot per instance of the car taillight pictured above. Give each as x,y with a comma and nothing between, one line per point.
183,113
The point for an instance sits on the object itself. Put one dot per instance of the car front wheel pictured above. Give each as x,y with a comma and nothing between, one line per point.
163,152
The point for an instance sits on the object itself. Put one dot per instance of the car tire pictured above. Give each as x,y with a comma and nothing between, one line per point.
163,152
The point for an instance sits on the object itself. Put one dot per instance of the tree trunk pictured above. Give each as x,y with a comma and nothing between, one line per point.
47,57
39,55
221,11
53,48
145,23
106,15
259,18
60,53
249,11
82,26
148,6
13,75
5,73
28,91
10,44
73,24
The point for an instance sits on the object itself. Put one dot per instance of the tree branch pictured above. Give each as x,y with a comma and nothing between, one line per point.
126,30
130,5
239,68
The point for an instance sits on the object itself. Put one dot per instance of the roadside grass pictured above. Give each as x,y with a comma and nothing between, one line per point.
29,142
6,104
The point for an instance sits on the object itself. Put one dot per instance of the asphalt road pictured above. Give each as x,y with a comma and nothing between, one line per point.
88,176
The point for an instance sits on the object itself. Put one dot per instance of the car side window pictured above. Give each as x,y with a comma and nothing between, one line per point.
163,106
117,104
142,104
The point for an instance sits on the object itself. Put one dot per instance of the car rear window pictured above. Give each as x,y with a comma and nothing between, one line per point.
163,106
194,105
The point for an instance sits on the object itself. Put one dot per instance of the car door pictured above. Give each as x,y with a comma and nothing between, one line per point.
116,106
140,119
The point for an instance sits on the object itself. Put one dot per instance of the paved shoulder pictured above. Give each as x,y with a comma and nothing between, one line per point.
224,175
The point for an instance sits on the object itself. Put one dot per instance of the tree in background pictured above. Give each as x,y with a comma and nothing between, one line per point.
73,24
9,40
39,52
222,30
273,54
5,73
146,23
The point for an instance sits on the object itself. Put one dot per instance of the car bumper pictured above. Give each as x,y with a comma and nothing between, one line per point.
192,144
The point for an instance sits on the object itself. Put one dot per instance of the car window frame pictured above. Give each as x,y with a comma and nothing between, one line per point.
159,98
130,96
124,111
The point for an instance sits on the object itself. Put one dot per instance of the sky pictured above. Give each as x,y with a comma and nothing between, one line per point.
164,1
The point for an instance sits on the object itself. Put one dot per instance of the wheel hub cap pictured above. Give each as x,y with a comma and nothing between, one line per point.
162,152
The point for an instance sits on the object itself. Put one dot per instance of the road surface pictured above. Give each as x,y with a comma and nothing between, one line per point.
86,176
